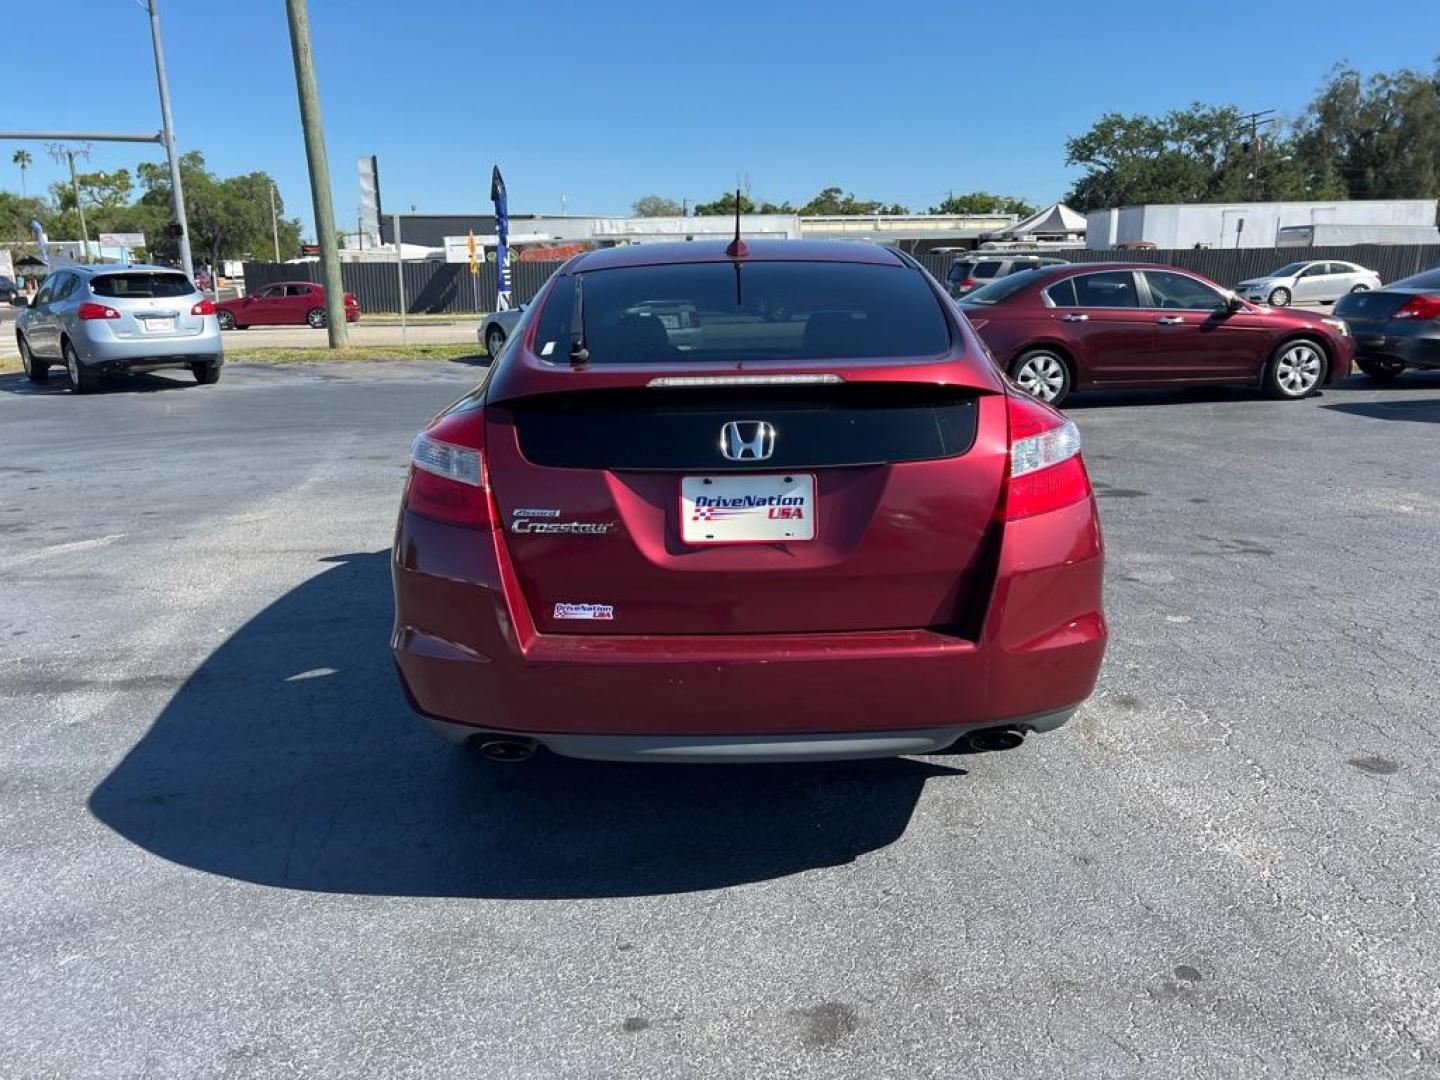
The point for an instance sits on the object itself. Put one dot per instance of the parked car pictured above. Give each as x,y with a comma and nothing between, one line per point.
99,319
974,271
1395,327
1308,281
496,328
9,291
1136,324
779,543
285,303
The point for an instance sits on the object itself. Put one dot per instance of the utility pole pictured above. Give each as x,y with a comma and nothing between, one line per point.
274,222
400,274
1255,120
313,126
167,131
67,153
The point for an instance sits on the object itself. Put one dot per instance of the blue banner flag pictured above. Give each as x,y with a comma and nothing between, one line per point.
502,231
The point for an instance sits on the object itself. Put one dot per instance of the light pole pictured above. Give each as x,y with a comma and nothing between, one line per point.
168,134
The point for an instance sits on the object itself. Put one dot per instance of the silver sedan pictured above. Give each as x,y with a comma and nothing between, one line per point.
496,328
97,319
1312,281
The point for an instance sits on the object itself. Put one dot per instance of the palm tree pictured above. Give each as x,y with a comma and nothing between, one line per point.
22,158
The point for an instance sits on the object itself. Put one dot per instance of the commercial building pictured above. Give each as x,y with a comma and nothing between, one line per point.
444,236
1264,225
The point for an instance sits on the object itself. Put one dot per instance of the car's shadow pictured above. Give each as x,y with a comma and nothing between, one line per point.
1421,411
57,383
1179,395
289,758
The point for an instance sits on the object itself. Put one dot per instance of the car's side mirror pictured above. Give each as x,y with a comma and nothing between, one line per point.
1233,304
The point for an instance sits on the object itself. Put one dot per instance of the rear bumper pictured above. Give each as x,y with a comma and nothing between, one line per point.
1416,345
99,348
752,749
468,656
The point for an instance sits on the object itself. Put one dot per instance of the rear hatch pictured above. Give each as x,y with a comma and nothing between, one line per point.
822,506
152,304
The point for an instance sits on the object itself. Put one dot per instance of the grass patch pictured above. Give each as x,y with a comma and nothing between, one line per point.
322,355
386,318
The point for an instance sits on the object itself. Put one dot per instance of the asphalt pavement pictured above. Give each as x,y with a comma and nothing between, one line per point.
229,851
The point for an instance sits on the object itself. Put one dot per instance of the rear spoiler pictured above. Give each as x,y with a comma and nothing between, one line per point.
528,376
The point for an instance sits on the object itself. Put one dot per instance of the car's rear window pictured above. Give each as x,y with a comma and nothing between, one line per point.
143,286
1002,288
746,311
1426,279
959,271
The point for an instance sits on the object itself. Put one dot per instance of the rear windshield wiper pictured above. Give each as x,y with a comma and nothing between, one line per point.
579,354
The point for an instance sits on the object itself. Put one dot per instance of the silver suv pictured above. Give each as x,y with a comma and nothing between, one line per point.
972,272
97,319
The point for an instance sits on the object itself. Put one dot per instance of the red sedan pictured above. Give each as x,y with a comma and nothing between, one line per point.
285,303
836,535
1080,326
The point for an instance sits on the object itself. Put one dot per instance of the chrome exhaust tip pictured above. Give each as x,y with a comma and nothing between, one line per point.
508,749
997,738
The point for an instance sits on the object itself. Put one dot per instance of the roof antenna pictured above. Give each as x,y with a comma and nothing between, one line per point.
738,249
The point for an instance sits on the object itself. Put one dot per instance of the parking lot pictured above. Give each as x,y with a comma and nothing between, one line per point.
230,849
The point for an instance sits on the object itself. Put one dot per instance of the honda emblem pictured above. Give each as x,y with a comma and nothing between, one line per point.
747,440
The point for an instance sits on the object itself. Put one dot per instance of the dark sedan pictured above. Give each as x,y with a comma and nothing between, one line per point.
1123,324
1395,327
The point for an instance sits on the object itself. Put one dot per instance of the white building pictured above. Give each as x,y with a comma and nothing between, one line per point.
1265,225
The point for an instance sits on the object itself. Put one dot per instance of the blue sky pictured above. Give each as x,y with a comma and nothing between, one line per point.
608,100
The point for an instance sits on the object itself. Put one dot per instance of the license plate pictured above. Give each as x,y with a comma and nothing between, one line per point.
157,326
746,509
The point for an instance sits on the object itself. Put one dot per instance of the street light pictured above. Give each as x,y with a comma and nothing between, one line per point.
167,132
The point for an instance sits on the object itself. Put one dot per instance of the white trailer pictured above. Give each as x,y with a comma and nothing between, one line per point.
1258,225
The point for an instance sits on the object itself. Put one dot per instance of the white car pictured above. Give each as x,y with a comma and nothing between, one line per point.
1318,280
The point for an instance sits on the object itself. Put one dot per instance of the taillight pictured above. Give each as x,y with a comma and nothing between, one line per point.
204,307
448,483
1046,470
1419,307
968,283
89,311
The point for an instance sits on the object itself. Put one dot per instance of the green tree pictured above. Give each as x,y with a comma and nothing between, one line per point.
22,160
983,202
833,202
228,218
655,206
16,213
1204,153
725,205
1375,139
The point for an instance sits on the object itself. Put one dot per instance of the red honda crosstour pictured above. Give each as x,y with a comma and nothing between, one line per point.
725,536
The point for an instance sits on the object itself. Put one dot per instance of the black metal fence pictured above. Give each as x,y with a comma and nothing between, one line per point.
430,287
443,288
1229,266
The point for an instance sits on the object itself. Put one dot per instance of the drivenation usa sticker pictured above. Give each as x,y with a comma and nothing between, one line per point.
585,611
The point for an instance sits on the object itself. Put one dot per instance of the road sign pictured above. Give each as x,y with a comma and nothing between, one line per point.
127,240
